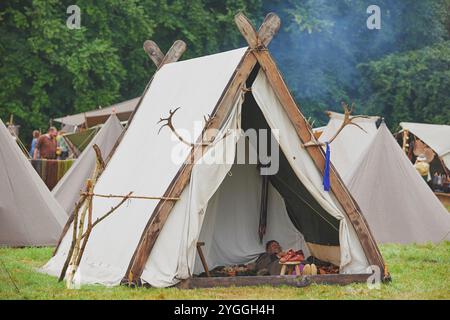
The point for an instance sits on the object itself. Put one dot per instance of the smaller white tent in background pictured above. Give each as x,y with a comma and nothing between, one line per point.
351,142
396,201
67,191
29,215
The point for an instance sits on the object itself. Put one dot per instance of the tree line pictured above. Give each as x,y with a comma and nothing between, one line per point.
324,49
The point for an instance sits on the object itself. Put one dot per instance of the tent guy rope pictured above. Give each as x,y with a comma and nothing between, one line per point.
127,196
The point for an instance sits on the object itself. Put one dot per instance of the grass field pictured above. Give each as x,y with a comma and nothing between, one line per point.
418,272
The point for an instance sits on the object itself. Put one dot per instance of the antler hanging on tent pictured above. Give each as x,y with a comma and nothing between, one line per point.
348,120
168,123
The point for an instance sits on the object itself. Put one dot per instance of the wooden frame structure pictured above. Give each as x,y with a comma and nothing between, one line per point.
257,53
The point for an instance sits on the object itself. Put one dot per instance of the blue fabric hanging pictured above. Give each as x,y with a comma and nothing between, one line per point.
326,171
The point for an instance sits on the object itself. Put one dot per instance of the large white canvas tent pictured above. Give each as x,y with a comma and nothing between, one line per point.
436,136
29,215
155,241
67,191
351,142
396,201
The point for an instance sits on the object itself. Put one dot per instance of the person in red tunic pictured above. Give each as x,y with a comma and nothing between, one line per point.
46,145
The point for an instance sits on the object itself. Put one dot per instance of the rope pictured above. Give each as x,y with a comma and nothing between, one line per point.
128,197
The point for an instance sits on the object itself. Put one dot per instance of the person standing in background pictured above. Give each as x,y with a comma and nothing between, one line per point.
422,167
36,135
46,145
62,148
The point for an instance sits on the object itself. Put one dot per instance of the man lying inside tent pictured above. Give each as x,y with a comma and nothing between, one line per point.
270,262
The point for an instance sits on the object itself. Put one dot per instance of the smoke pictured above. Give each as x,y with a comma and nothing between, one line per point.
322,42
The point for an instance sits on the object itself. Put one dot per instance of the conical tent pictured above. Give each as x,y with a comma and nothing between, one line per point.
216,202
344,154
67,191
29,215
396,201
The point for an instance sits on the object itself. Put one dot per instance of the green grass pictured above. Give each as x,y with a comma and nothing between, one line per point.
418,272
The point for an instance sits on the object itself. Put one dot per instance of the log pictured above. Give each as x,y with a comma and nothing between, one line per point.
246,28
268,29
174,53
293,281
154,52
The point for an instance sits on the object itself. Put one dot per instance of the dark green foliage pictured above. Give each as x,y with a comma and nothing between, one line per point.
411,86
48,70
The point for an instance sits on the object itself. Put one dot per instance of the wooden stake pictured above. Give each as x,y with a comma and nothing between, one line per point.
74,237
202,258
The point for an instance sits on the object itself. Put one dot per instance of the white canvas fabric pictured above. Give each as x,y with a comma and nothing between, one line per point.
67,191
351,142
397,203
29,215
142,162
436,136
230,229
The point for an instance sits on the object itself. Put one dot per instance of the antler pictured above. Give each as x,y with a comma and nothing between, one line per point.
169,124
348,120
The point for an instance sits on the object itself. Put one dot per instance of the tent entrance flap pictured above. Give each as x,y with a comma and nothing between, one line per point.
294,218
308,216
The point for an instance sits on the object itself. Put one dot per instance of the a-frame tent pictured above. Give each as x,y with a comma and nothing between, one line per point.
29,215
67,191
396,201
155,242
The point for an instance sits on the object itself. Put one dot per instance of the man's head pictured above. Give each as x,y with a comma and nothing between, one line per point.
52,132
273,246
36,134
